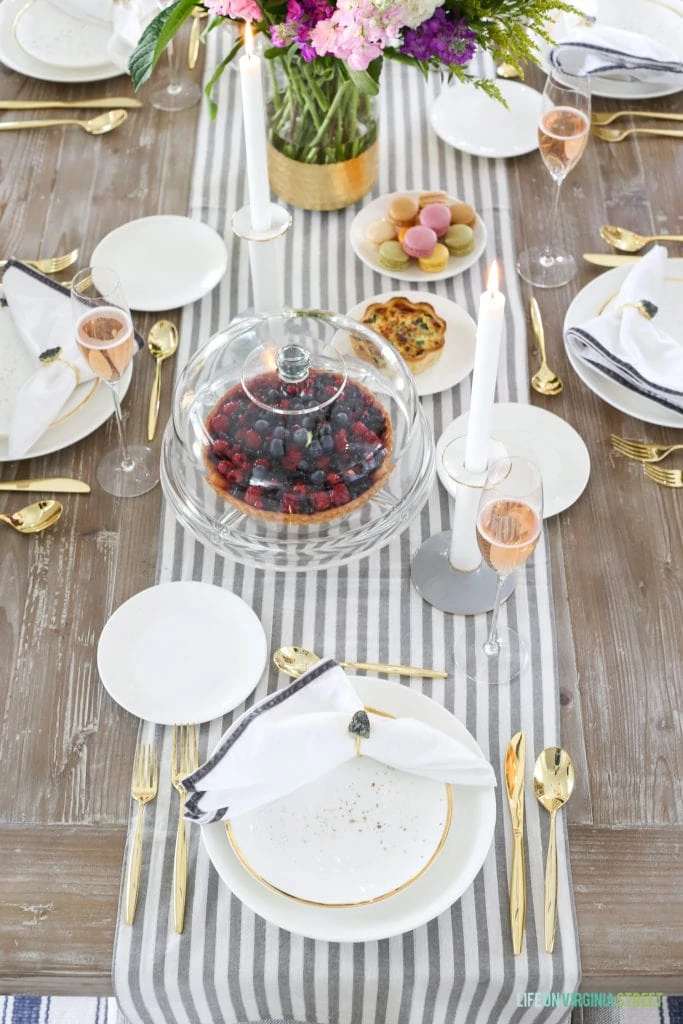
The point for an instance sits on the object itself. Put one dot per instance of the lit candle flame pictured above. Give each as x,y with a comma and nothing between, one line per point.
492,280
248,39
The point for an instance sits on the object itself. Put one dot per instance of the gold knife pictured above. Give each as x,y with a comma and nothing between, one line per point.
514,780
104,103
609,259
58,484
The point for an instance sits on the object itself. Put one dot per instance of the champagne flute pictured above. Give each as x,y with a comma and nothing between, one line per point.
105,337
174,90
509,522
563,130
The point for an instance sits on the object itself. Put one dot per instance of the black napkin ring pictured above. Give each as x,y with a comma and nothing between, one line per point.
54,355
359,727
644,307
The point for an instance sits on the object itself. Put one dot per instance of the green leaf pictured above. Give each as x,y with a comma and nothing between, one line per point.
364,82
213,107
155,38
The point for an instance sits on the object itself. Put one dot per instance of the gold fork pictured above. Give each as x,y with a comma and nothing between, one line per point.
603,119
185,760
618,135
665,477
144,789
49,266
642,451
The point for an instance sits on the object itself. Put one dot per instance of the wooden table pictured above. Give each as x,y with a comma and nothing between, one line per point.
66,748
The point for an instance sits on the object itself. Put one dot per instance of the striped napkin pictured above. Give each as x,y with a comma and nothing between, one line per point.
605,50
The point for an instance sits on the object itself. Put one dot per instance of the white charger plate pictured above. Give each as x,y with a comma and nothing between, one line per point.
589,302
453,871
469,120
158,656
366,252
457,357
550,441
12,56
48,34
164,261
661,20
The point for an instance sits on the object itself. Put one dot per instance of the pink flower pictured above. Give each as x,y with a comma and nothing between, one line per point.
248,10
357,32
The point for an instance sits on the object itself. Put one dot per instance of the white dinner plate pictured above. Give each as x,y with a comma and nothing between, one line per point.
181,652
358,834
661,20
12,55
453,871
87,409
588,303
550,441
457,357
48,34
366,252
164,261
469,120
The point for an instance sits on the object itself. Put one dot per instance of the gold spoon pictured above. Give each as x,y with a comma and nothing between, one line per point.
629,241
506,70
36,517
99,125
553,785
162,341
294,661
544,380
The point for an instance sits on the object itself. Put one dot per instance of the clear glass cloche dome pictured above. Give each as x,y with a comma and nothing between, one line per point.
297,441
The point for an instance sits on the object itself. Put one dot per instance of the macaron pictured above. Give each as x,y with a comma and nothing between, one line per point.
427,198
459,239
463,213
380,231
437,261
402,210
419,241
392,256
437,217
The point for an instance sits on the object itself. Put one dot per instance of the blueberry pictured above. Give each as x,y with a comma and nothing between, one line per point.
276,448
315,449
300,437
340,420
303,465
318,478
262,426
273,396
308,422
279,432
325,429
327,444
259,473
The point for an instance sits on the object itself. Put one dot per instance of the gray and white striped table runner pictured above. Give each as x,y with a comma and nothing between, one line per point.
230,965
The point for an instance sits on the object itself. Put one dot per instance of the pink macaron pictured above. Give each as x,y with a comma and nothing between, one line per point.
437,217
419,241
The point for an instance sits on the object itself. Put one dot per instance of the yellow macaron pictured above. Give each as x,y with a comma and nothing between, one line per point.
437,261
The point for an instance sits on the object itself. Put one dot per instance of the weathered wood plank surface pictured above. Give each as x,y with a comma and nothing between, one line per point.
66,749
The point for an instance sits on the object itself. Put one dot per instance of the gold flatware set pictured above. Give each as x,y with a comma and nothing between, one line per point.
100,125
162,342
117,108
553,785
40,515
630,241
545,381
144,789
649,453
103,102
600,121
185,760
294,661
51,265
603,119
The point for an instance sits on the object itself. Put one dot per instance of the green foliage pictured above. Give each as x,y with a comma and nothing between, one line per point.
156,38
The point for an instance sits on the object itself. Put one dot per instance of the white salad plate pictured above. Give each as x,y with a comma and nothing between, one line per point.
457,357
88,407
440,885
181,652
367,252
550,441
164,261
589,302
661,20
47,33
14,57
468,119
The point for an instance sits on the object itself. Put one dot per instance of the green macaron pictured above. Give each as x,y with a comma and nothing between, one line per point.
392,256
459,239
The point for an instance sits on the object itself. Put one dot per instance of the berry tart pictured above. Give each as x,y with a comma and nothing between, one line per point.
298,453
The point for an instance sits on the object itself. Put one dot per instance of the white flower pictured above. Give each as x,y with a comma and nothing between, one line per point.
416,11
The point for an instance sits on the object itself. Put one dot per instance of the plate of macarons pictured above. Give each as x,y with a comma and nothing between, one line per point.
418,236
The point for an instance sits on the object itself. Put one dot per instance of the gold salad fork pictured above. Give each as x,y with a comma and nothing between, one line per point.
603,119
185,760
618,134
144,789
52,265
642,451
665,477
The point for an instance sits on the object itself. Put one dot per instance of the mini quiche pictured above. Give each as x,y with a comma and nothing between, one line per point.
414,329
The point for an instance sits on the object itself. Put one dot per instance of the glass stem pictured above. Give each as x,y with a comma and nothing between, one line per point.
548,255
491,647
126,460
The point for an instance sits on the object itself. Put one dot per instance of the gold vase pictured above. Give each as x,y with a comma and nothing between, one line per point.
323,186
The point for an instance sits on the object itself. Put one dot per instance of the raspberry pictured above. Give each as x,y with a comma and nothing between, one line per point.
361,433
332,479
300,488
219,424
290,502
321,500
221,448
292,459
253,496
252,439
340,495
341,442
225,468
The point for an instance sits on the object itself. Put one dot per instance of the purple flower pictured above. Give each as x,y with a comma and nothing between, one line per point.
449,42
302,17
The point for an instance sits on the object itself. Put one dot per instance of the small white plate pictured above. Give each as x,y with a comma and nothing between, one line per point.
48,34
453,871
550,441
366,252
468,119
163,262
181,652
588,303
457,358
358,834
15,58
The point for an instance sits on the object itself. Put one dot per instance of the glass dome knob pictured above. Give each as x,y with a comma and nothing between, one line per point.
293,363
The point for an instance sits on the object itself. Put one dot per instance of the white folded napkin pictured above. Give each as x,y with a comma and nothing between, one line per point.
130,18
100,12
604,50
623,344
302,732
41,311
